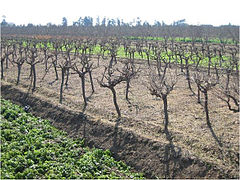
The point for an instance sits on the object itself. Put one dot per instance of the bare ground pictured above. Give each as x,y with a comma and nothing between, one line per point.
138,138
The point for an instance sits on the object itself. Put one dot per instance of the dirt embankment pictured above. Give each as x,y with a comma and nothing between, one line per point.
154,158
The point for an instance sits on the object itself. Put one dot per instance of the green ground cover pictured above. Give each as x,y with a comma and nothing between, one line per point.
121,54
32,148
180,39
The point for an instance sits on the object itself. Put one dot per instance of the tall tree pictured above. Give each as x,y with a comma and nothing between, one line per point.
64,21
88,21
4,22
104,22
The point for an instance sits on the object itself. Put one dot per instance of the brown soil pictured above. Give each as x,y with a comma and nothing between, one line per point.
138,138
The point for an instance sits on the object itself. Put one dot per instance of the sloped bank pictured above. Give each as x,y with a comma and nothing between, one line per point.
155,159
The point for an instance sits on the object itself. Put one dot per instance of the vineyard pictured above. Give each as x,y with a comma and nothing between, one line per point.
177,97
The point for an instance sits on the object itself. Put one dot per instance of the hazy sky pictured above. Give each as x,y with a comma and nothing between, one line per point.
215,12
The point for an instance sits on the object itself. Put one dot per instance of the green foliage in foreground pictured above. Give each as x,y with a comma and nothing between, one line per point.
32,148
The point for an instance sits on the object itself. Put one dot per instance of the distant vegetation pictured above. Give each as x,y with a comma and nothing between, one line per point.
135,30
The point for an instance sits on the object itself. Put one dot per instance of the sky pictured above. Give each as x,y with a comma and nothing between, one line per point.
196,12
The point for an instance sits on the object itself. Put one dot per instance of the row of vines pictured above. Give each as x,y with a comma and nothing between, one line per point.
209,69
204,64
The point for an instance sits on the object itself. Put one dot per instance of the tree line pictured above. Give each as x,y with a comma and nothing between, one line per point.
85,26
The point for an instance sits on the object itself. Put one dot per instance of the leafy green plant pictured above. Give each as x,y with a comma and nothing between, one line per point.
33,149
